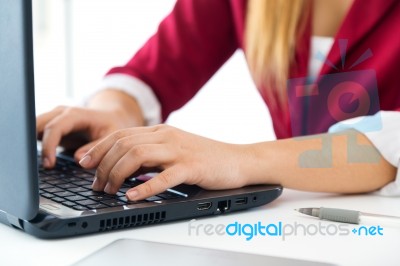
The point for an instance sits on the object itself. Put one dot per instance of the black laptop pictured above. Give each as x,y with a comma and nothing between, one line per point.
59,202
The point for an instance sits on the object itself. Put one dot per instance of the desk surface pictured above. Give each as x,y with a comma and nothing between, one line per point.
18,248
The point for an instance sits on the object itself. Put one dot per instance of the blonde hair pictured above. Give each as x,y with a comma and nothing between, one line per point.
272,29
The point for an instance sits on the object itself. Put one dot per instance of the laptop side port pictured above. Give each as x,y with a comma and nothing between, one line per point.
241,201
224,205
204,206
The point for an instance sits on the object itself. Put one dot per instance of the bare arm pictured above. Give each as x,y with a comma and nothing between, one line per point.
120,102
340,163
347,164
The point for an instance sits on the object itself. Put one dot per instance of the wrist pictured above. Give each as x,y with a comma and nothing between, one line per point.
258,164
125,107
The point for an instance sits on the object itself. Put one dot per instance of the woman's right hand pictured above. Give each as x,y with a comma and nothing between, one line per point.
68,126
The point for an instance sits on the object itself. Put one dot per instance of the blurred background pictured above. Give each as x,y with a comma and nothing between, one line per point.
77,41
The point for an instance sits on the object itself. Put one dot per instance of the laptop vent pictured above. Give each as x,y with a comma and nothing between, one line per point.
131,221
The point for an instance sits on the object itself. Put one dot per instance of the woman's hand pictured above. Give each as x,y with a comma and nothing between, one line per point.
72,127
183,157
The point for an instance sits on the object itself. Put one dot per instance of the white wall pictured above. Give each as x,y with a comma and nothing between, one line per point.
49,48
77,41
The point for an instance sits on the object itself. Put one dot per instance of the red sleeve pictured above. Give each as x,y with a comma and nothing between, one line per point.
191,44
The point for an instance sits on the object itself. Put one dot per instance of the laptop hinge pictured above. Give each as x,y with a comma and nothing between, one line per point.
3,218
14,221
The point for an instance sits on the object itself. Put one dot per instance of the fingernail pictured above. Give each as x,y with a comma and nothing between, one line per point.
107,189
132,194
46,162
95,184
85,161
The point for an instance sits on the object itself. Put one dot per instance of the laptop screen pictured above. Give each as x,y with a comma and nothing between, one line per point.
19,195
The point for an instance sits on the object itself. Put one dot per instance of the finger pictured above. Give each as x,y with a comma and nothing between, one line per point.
166,179
79,153
96,154
45,118
54,131
147,155
119,149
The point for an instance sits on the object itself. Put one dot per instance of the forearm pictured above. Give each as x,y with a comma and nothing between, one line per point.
340,163
119,102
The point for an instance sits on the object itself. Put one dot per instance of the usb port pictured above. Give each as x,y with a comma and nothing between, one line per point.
204,206
241,201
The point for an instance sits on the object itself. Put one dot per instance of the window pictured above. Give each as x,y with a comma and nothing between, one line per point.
78,41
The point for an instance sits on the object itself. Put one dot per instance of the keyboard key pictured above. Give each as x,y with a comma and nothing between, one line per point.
100,197
66,186
53,189
58,199
44,185
86,202
52,172
88,187
153,198
62,168
168,195
97,206
60,175
80,208
82,183
56,182
47,195
124,189
68,203
75,172
73,179
89,193
75,198
46,178
77,189
114,203
123,199
84,175
116,195
64,194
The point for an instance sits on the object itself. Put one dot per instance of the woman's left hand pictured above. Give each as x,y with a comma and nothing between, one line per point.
182,156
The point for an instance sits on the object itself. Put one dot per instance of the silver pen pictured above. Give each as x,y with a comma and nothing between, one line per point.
347,216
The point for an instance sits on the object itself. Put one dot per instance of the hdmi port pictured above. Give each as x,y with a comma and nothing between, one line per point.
204,206
241,201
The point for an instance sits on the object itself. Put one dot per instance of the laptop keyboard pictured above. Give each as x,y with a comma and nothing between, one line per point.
71,186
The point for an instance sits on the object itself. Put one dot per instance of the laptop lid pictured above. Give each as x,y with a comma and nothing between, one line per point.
19,193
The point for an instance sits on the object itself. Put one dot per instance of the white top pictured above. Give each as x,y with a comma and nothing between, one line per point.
319,46
386,140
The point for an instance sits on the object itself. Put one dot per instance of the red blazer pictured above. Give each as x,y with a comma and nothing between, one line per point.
198,36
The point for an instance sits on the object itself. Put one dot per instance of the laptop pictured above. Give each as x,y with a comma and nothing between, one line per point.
59,202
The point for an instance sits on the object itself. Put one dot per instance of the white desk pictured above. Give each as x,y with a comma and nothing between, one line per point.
18,248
